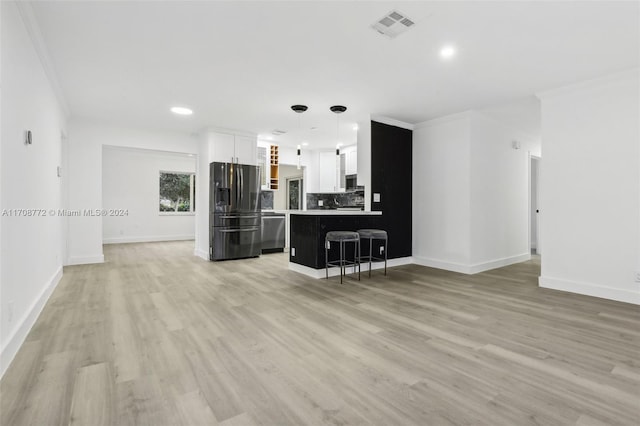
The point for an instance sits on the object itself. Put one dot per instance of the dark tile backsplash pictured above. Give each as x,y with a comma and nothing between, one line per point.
266,200
335,200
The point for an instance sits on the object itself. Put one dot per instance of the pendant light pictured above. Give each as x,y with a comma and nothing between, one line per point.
337,110
299,109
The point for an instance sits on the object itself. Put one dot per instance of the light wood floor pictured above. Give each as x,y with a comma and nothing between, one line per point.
156,336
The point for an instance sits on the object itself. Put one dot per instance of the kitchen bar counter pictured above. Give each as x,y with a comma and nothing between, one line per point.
329,212
324,212
309,228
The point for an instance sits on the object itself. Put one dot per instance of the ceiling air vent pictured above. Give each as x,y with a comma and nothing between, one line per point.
278,132
392,24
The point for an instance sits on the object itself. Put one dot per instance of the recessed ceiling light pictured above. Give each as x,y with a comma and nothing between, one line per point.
181,111
269,138
448,52
305,143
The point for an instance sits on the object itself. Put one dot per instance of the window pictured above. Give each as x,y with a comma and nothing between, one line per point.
177,192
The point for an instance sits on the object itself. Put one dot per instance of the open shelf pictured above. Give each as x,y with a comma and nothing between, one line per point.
274,164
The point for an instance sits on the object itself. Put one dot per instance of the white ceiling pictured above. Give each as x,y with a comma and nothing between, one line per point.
241,65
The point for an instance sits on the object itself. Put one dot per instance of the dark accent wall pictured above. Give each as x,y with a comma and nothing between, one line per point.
391,154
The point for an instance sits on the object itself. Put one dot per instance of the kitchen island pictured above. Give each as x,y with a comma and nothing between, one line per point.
308,229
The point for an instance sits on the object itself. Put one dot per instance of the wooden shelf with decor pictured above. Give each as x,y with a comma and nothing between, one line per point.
274,164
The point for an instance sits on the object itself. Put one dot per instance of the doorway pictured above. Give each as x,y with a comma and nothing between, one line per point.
294,193
534,197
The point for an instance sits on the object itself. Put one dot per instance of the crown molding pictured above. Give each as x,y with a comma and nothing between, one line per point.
630,74
507,126
392,122
444,119
33,29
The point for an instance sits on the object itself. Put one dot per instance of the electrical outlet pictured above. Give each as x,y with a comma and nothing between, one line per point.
10,311
638,277
293,252
320,203
381,249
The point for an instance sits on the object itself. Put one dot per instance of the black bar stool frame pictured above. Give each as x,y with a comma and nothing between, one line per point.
342,237
371,235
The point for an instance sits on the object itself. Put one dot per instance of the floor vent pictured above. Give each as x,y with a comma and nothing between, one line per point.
393,24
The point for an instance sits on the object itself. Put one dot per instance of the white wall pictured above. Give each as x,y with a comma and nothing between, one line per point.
202,197
499,193
130,180
470,193
441,192
280,196
31,249
86,140
308,161
589,200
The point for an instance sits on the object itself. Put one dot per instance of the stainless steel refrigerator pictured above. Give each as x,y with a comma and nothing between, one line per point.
235,213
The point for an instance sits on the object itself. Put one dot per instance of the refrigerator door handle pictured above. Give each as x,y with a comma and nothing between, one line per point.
241,185
236,175
226,231
238,217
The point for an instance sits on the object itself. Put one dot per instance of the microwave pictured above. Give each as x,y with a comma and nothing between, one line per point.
351,182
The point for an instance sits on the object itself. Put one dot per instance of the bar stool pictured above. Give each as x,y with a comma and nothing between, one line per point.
342,237
375,234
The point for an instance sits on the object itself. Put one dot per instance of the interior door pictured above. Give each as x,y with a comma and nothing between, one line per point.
535,204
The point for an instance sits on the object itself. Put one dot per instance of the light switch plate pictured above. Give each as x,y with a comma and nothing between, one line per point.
293,252
376,197
320,203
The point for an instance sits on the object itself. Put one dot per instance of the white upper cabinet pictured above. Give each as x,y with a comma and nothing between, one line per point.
222,147
245,150
229,148
352,162
351,154
327,165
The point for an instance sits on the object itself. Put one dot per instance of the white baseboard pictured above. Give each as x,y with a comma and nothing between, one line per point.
202,254
441,264
471,269
333,272
147,239
13,343
85,260
499,263
590,289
